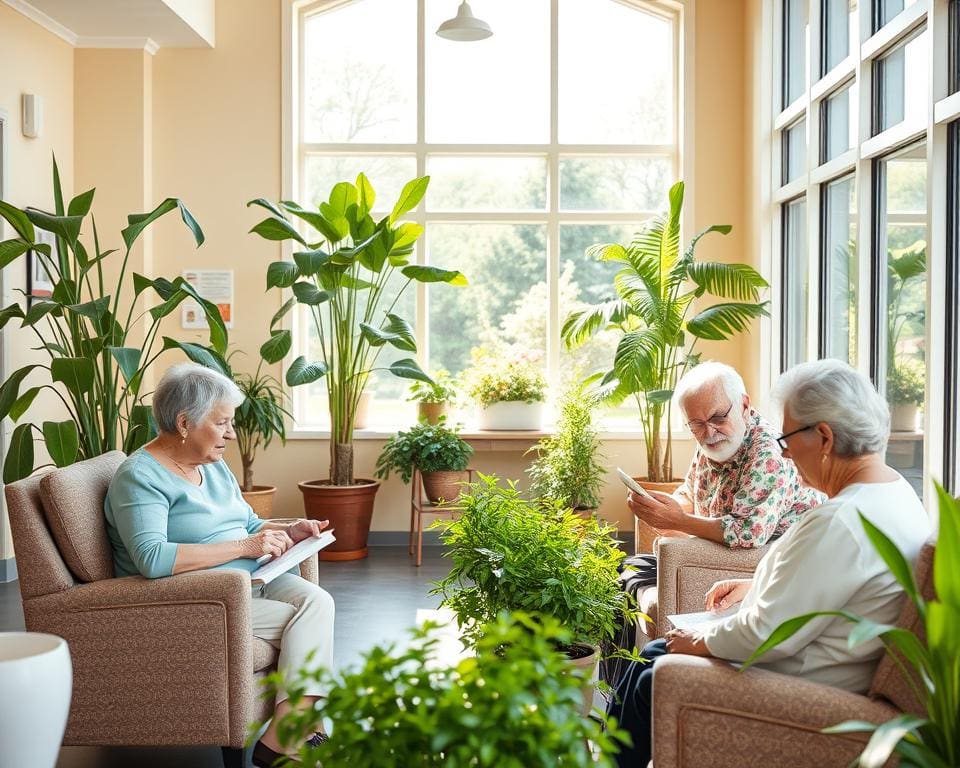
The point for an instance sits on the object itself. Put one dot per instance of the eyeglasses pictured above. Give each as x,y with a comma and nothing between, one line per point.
716,421
782,440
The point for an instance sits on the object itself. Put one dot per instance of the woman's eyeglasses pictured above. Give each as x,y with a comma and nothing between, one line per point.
782,440
716,421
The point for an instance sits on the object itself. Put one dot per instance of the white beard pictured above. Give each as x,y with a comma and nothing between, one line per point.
721,448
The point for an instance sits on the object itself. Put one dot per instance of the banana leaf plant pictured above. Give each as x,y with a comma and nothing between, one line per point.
930,662
655,291
342,276
88,337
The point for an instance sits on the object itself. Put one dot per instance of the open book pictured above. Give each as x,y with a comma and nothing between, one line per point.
293,556
701,620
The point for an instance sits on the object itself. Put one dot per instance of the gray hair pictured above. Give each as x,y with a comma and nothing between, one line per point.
710,374
192,390
833,392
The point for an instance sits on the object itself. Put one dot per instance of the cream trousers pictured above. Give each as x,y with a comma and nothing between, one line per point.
296,617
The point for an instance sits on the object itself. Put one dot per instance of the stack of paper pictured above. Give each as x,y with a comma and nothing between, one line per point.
293,556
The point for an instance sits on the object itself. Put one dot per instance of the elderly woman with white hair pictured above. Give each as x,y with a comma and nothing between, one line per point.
835,428
174,506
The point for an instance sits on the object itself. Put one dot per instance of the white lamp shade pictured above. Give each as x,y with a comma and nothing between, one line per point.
464,26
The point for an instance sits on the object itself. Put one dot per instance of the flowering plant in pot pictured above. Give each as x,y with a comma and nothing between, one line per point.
433,397
436,450
510,395
341,278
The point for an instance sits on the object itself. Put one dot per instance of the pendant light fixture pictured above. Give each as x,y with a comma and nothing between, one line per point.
464,26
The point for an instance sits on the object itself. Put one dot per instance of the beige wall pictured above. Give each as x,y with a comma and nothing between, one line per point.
32,60
210,134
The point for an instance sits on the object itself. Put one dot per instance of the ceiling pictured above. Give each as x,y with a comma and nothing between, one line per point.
150,24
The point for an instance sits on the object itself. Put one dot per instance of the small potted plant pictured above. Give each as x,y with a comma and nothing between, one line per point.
905,392
510,395
436,450
567,467
509,553
433,397
514,702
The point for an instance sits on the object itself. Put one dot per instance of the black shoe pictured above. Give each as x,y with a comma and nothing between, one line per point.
264,757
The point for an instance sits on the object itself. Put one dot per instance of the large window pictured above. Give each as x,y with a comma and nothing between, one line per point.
951,454
900,79
794,45
838,32
529,164
796,277
838,271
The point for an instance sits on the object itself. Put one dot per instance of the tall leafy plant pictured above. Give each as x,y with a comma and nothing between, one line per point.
88,333
930,663
342,276
655,291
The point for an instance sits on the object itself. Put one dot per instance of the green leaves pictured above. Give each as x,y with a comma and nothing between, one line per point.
410,197
427,447
19,221
721,321
397,332
735,281
277,229
277,347
946,574
408,369
19,461
138,222
10,390
281,274
67,227
198,354
300,372
76,373
62,441
424,274
11,250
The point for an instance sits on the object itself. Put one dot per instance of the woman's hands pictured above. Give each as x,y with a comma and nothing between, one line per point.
304,529
725,593
685,641
270,541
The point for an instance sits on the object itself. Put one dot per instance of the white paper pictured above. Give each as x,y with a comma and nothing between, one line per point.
216,286
701,620
293,556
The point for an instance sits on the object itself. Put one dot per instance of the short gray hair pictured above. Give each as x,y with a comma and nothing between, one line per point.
192,390
708,374
832,392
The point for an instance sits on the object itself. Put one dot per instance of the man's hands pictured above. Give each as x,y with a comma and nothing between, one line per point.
304,529
725,593
662,512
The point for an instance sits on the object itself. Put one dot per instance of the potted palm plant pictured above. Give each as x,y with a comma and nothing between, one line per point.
90,333
436,450
341,277
567,466
433,397
655,291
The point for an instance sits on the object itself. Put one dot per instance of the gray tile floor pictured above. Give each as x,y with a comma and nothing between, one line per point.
377,599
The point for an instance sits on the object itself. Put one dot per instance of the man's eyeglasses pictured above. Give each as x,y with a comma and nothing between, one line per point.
716,421
782,440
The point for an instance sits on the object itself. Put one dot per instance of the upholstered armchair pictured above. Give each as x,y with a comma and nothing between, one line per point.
686,569
708,714
162,662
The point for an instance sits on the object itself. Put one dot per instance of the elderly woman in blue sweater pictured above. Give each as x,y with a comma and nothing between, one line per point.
174,506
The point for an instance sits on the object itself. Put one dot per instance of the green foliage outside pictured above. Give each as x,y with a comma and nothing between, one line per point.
491,381
516,703
567,468
427,447
89,333
906,383
906,322
930,662
509,553
655,291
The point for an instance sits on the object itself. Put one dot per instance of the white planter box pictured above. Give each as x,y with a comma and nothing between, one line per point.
36,678
514,415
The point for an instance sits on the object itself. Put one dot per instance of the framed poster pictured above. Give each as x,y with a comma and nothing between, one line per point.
216,286
39,284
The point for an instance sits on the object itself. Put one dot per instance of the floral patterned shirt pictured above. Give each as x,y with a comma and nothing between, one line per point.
757,493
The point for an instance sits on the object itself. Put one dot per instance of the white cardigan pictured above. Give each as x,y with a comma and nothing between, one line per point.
826,562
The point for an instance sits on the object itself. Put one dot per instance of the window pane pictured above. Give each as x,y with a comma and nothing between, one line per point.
839,32
794,50
796,288
477,92
614,183
487,183
954,35
387,174
838,133
361,92
504,308
903,248
885,10
895,101
951,405
597,40
794,151
839,270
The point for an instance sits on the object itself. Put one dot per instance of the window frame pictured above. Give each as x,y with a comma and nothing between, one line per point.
679,151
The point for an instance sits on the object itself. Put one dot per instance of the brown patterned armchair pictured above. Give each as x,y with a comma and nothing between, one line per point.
709,715
162,662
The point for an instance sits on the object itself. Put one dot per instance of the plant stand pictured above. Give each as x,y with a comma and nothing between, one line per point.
420,506
349,508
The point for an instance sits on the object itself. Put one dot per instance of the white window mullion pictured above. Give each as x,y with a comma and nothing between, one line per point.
553,208
422,302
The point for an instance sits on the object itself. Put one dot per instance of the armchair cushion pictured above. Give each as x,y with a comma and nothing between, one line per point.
73,506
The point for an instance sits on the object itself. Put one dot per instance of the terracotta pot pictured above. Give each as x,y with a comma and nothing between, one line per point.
511,415
643,534
431,412
585,659
349,509
362,419
261,499
443,485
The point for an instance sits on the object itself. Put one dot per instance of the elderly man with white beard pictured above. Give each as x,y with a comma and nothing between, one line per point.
740,490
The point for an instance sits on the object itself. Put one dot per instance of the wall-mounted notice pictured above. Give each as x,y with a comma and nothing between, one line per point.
215,285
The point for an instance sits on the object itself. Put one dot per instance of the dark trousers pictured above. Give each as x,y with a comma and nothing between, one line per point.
632,706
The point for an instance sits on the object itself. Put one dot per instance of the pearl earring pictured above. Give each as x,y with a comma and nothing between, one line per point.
183,438
823,457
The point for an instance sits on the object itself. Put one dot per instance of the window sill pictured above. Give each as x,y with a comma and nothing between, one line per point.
510,438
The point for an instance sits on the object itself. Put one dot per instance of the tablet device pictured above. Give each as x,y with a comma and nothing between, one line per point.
632,484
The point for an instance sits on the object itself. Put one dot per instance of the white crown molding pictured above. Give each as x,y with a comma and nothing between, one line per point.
55,27
148,44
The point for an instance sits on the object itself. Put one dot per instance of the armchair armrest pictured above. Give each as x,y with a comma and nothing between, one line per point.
688,567
707,712
175,652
